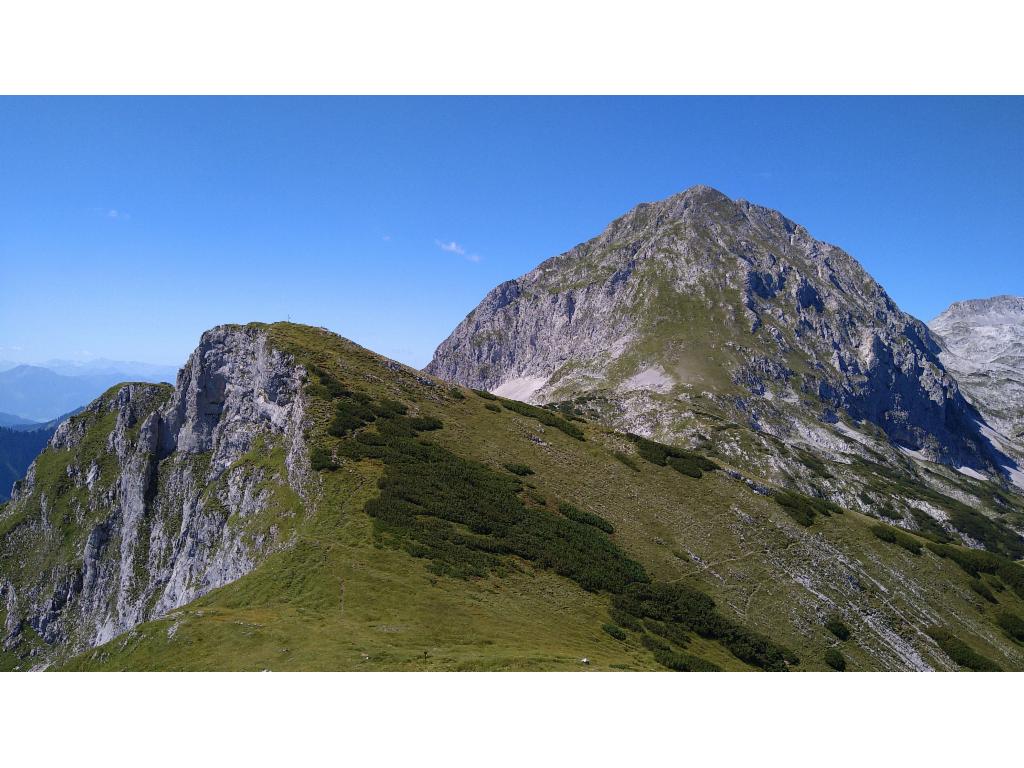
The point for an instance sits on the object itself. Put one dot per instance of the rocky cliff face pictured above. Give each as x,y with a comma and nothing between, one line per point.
154,496
700,299
983,346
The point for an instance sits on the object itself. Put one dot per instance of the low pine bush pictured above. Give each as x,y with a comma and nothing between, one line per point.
321,459
617,632
805,509
652,643
587,518
1011,624
518,469
896,536
684,662
835,660
836,626
975,561
982,589
695,611
627,460
493,407
685,462
960,652
544,416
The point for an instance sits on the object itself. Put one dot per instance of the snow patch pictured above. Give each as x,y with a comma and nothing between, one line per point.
520,388
653,378
971,473
853,434
919,455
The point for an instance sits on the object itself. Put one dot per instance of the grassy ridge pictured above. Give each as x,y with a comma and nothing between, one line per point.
400,565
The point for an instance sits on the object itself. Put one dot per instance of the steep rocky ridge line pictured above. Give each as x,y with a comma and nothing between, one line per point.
163,495
700,296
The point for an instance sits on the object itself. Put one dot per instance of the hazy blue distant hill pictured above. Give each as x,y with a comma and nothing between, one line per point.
40,394
10,420
36,393
128,369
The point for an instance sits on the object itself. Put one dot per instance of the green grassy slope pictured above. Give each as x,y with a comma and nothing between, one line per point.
400,564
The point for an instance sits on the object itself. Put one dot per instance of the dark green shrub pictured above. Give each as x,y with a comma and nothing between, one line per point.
466,518
627,460
803,509
686,466
386,409
684,662
686,462
425,423
456,393
674,633
975,561
587,518
321,459
995,536
836,626
895,536
960,652
333,387
518,469
887,510
835,660
652,643
493,407
695,611
536,497
624,619
982,589
617,632
1011,624
485,394
544,417
813,463
928,527
349,415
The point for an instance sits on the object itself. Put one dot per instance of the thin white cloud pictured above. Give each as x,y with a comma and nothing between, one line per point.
386,238
454,247
451,247
112,213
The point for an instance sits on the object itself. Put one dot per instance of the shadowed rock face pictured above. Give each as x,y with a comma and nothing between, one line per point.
983,346
138,493
726,298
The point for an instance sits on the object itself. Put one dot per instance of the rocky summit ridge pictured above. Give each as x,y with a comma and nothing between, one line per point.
983,346
703,304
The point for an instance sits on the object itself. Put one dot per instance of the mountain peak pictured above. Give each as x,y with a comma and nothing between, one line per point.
701,295
1005,303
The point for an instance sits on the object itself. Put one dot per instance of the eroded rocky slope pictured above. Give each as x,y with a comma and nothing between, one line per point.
699,303
154,496
983,346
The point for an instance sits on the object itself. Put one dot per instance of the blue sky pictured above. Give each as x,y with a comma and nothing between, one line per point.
128,226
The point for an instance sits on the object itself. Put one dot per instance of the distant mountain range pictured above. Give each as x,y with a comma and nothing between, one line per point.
39,393
15,422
